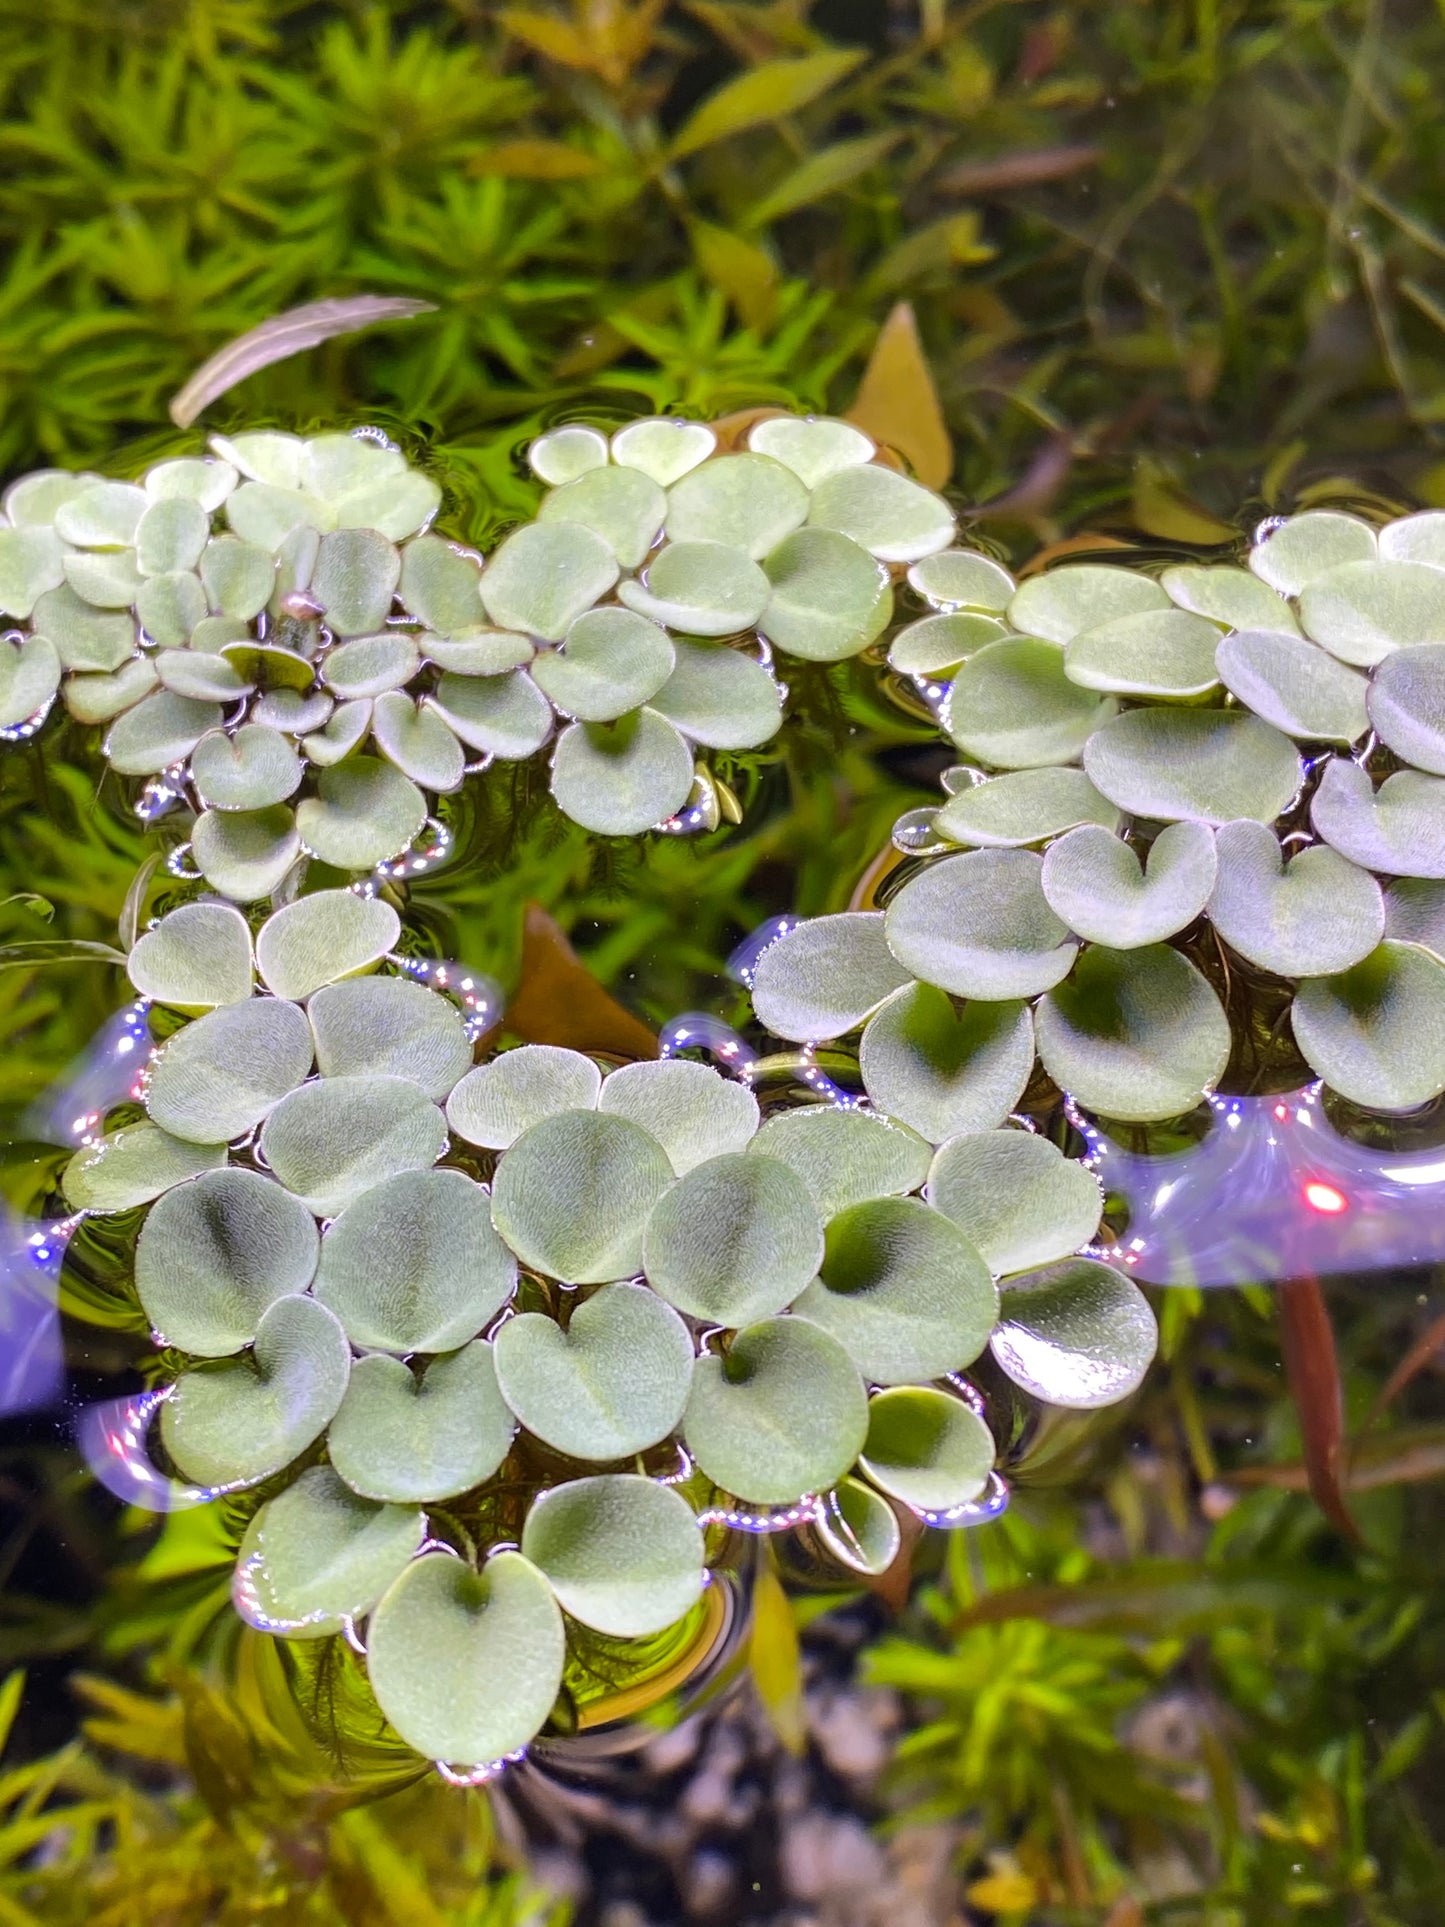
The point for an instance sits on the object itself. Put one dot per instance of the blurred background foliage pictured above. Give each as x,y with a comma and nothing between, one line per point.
1174,263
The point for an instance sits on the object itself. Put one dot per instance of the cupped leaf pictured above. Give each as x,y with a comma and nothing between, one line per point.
216,1078
354,580
238,576
860,1528
1194,765
942,1070
364,812
894,518
813,446
266,663
544,575
1398,829
1096,883
131,1166
613,1383
496,1102
248,771
825,977
337,1137
664,447
719,698
441,585
1407,706
1376,1033
195,958
693,1111
903,1291
369,665
621,778
1232,596
963,579
1015,1196
414,1265
621,505
84,638
1077,1333
506,716
317,1555
1012,706
1026,806
562,454
215,1253
611,661
829,598
1311,918
748,501
391,1026
979,925
703,588
573,1195
1364,611
245,853
926,1448
845,1156
940,643
413,737
783,1414
1135,1034
407,1436
1415,538
1415,913
162,729
239,1420
321,938
1061,603
1307,546
734,1241
466,1665
623,1554
1164,653
1294,685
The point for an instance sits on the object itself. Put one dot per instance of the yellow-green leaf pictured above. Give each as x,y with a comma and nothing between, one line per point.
776,1659
897,402
538,160
777,87
741,270
823,173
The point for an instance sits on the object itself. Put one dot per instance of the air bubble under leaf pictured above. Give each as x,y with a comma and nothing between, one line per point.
496,1102
734,1241
564,453
719,698
1025,806
979,925
160,730
1012,706
903,1291
665,448
814,447
390,1026
701,588
543,577
826,977
621,505
942,1070
892,517
1134,1034
84,638
1078,1334
364,811
1314,916
216,1078
1095,882
926,1448
195,958
1164,653
611,661
620,779
829,596
1364,611
1294,685
1232,596
623,1555
783,1414
1060,603
1407,706
318,1555
131,1166
337,1137
414,1265
506,716
573,1194
1194,765
1309,545
692,1111
1398,829
845,1156
216,1253
1015,1196
610,1385
29,677
747,501
321,938
414,738
248,771
1376,1033
406,1436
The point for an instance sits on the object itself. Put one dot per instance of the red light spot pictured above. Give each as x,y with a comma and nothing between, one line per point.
1324,1197
1281,1111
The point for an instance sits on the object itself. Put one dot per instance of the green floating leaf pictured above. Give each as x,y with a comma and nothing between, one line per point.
265,514
441,585
275,668
1012,706
238,576
1407,706
1309,545
940,643
1415,538
814,447
332,466
903,1291
169,607
363,813
262,455
1026,806
220,1075
562,454
506,716
622,778
543,577
192,479
926,1448
370,665
860,1529
734,1241
665,449
216,1253
390,1026
1295,686
84,638
747,501
32,561
248,771
414,738
1232,596
321,938
719,698
829,598
623,1554
782,1415
1376,1033
246,853
963,579
1398,829
1095,882
1134,1034
29,677
105,515
621,505
496,1102
131,1166
1015,1196
1311,918
340,1136
894,518
1415,913
1164,653
484,652
845,1156
162,729
95,699
195,958
407,1436
1364,611
942,1070
33,499
1061,603
979,925
702,588
467,1665
613,1383
1078,1334
109,580
693,1111
414,1265
354,580
1194,765
395,508
206,678
574,1193
237,1421
825,977
611,661
317,1556
297,711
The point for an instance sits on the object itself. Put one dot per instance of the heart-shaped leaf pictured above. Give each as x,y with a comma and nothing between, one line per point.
1061,603
332,466
719,698
783,1414
245,853
940,643
239,1420
84,638
814,447
29,677
337,1137
263,455
748,501
220,1075
297,711
1095,882
195,958
131,1166
107,580
622,778
1415,913
574,1535
622,505
573,1195
161,730
354,580
884,512
169,608
693,1111
466,1665
825,977
1135,1034
543,577
564,453
370,665
1364,611
942,1070
405,1436
95,699
859,1528
1015,1196
506,716
265,514
496,1102
664,448
1407,706
321,938
611,661
613,1383
1398,829
391,1026
441,585
703,588
1026,806
1307,546
1077,1333
397,507
1232,596
193,478
1194,765
215,1253
103,516
248,771
1012,706
238,576
317,1555
926,1448
830,597
203,677
734,1241
1294,685
1376,1033
1317,916
979,925
1165,653
414,1265
903,1291
364,812
32,560
845,1156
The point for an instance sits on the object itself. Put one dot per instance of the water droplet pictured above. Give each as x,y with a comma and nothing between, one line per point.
914,834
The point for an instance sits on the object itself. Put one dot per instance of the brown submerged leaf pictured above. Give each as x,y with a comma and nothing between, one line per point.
559,1001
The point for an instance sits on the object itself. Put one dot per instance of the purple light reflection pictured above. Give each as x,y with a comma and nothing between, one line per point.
113,1436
